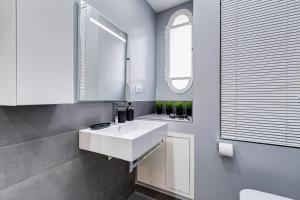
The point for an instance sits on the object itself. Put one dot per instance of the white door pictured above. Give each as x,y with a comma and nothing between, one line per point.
152,169
178,164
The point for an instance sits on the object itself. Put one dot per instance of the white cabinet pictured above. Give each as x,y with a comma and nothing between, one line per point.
150,171
36,52
171,167
178,164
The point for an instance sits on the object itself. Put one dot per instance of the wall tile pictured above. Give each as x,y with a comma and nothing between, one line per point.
58,182
20,162
112,171
86,190
143,108
40,156
26,123
119,188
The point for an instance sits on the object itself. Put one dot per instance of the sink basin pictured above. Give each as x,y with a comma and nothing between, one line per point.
127,141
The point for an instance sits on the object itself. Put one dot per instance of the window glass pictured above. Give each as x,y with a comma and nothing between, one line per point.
180,84
181,19
181,51
179,69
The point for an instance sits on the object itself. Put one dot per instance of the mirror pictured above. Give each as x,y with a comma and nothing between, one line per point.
102,57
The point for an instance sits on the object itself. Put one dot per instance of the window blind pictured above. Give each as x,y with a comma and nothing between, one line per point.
260,71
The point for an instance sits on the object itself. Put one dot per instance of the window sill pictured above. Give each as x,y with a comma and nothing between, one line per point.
164,117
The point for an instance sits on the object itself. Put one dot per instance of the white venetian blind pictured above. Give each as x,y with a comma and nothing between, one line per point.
260,71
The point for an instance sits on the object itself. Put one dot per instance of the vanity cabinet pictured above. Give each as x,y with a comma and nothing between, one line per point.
37,52
171,167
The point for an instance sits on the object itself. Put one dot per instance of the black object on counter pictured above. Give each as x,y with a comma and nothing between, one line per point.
122,115
99,126
130,113
172,115
181,117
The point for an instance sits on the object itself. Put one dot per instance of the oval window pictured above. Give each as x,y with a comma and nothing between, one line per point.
179,66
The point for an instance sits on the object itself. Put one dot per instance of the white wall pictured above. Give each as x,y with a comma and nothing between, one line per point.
263,167
268,168
136,18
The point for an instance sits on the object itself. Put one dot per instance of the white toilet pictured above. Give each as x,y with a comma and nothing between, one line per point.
248,194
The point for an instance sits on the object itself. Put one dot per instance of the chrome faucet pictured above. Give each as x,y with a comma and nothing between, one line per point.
115,107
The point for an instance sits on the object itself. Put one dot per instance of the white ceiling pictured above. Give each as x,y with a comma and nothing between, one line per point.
161,5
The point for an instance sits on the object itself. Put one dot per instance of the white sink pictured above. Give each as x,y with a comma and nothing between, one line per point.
126,141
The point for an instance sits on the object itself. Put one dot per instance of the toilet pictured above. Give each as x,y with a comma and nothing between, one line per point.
248,194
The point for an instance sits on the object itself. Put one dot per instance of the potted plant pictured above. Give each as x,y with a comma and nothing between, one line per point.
179,108
169,107
189,108
159,107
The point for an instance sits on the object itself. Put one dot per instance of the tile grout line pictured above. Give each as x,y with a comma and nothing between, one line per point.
34,140
43,172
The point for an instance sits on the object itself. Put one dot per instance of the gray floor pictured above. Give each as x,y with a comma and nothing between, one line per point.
139,196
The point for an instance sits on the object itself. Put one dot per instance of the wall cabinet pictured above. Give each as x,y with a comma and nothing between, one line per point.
37,52
171,167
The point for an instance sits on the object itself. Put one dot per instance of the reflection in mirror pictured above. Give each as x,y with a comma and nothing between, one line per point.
102,53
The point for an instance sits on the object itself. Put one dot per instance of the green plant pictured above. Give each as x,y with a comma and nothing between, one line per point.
169,107
179,108
189,108
159,107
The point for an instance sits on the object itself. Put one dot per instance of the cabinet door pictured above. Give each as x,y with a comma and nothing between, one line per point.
178,164
8,52
45,61
152,169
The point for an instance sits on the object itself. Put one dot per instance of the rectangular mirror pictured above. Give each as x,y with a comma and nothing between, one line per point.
102,57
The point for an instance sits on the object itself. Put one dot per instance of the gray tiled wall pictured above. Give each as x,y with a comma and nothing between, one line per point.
40,158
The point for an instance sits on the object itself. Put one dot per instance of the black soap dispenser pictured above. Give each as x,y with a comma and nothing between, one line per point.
130,112
122,114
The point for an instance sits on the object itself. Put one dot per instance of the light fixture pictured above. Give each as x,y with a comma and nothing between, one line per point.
107,29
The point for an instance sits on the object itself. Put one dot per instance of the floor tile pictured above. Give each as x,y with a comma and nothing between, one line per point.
139,196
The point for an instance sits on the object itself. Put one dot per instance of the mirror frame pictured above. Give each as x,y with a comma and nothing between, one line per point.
81,63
